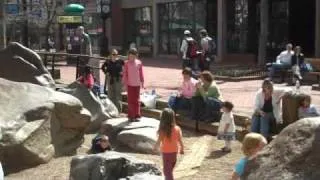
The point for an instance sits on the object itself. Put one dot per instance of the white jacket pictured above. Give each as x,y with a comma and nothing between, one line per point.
276,95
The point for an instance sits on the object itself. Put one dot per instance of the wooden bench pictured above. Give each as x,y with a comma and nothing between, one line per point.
315,63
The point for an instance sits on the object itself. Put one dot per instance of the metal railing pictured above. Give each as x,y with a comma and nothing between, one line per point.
79,58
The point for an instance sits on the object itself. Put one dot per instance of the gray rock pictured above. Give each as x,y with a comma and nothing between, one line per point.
140,136
100,109
293,155
110,166
36,123
18,63
143,176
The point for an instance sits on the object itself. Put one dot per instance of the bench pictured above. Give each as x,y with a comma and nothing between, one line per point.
309,76
315,63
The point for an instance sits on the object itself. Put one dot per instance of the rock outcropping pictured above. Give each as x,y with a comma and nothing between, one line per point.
139,136
18,63
112,166
100,109
37,123
293,155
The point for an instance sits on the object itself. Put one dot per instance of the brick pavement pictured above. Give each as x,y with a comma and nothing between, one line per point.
164,75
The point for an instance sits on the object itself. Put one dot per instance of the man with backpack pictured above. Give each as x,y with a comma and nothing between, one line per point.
188,50
208,49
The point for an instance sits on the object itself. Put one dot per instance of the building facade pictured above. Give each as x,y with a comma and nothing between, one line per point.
157,26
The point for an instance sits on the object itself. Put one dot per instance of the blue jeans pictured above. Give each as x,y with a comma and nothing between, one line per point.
261,124
277,67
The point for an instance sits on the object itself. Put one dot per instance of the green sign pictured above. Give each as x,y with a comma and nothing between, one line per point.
69,19
74,8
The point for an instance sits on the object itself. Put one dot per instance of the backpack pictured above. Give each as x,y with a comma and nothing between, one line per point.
211,46
192,49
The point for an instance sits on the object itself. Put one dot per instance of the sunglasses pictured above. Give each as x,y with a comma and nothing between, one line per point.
114,54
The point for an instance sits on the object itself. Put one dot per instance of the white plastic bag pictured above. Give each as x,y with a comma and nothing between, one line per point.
148,100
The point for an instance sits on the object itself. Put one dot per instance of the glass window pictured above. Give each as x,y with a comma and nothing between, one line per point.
237,14
176,17
138,23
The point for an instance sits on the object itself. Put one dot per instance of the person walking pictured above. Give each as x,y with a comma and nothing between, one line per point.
133,80
85,47
113,74
188,51
208,49
170,142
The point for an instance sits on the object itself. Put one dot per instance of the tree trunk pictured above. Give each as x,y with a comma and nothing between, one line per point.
263,39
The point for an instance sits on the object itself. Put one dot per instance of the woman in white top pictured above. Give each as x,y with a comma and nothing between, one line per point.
267,108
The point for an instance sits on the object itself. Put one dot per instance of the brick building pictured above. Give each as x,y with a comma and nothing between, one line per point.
156,26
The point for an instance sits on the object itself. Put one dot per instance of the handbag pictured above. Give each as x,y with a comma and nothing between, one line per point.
148,100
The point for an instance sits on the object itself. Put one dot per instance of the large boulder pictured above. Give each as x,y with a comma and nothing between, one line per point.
112,166
290,105
37,123
293,155
100,109
18,63
139,136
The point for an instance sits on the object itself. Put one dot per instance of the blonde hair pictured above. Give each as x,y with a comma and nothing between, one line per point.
114,51
267,84
252,141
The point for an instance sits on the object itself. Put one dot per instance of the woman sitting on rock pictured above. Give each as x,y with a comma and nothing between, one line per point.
186,91
207,98
267,108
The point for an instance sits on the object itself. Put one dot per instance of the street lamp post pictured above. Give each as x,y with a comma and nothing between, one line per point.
104,8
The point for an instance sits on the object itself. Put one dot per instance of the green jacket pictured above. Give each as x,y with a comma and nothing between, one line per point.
213,91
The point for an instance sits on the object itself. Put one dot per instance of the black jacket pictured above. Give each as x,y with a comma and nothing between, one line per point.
294,59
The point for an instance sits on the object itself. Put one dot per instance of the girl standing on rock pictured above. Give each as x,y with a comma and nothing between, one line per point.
133,80
169,139
113,71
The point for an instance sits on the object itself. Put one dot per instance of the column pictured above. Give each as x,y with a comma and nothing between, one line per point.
222,29
317,30
155,29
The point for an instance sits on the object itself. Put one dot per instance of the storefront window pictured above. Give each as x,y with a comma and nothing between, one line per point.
237,26
176,17
138,23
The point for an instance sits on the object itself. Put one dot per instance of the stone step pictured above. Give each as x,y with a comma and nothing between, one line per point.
241,119
204,127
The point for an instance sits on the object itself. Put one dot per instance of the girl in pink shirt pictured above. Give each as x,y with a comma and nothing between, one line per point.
133,80
186,91
87,78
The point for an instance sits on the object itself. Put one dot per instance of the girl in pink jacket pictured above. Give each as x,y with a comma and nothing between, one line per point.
133,80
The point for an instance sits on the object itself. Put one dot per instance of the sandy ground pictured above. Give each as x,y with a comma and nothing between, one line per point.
216,165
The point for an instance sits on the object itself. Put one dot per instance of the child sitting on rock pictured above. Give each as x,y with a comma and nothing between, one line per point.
306,109
251,145
227,129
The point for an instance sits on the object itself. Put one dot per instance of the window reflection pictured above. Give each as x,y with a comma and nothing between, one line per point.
139,28
176,17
